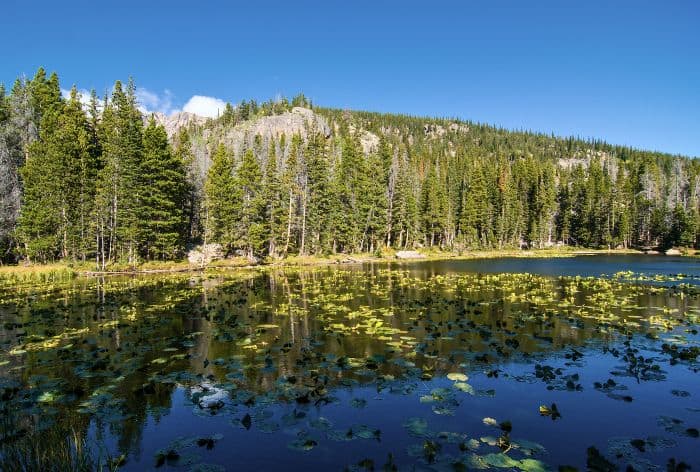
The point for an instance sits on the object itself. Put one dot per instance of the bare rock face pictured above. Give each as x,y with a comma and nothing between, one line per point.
458,128
409,255
204,254
176,121
369,142
300,121
435,131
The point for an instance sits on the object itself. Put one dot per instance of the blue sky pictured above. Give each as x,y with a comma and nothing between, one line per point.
624,71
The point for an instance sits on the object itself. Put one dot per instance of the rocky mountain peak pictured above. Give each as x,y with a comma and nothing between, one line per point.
172,123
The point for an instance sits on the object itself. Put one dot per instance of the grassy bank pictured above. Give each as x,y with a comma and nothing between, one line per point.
17,274
62,271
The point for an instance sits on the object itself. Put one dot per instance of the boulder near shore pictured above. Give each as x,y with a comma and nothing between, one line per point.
409,255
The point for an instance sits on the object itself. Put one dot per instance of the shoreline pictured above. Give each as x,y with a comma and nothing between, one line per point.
39,270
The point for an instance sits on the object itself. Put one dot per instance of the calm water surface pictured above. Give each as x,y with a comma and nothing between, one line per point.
586,266
414,366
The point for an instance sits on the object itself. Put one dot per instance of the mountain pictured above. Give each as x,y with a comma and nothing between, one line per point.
287,177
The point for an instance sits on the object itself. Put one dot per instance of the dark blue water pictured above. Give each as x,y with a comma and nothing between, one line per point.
584,266
347,360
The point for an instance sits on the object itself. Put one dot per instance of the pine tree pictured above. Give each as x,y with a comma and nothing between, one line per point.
119,195
683,228
349,189
163,196
406,209
316,197
44,223
474,221
291,183
433,207
222,198
376,195
97,183
192,206
275,203
250,230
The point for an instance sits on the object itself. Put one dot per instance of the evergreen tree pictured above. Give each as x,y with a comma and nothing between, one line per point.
222,199
163,196
433,208
376,182
406,210
192,206
250,228
119,196
291,184
44,222
77,182
275,203
683,229
316,198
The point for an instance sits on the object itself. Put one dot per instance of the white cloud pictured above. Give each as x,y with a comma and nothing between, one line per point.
83,95
152,102
210,107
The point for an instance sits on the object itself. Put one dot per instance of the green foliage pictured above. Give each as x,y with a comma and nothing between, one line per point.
93,183
222,198
163,180
59,177
249,217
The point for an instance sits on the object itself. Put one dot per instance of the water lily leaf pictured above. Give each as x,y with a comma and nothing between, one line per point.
464,387
358,403
500,460
48,397
443,410
418,427
457,377
321,423
531,465
303,444
488,421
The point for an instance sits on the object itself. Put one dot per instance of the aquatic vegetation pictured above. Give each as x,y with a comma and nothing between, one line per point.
377,365
55,450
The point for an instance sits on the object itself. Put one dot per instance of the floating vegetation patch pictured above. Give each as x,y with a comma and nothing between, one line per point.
359,368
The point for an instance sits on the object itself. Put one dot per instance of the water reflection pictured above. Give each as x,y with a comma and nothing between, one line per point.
283,352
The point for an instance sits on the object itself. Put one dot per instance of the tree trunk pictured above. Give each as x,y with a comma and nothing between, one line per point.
302,249
289,223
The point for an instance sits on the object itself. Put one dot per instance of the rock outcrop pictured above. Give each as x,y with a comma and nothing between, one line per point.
369,142
173,123
409,255
302,121
204,254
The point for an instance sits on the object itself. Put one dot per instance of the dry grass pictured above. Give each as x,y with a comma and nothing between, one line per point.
62,271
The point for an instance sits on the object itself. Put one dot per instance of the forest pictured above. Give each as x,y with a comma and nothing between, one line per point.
98,181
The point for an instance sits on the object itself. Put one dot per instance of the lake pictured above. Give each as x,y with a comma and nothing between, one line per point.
511,364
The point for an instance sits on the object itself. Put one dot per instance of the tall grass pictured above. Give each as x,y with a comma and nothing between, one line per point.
54,450
52,273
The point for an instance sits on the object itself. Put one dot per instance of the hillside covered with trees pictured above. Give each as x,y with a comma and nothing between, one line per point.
101,182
